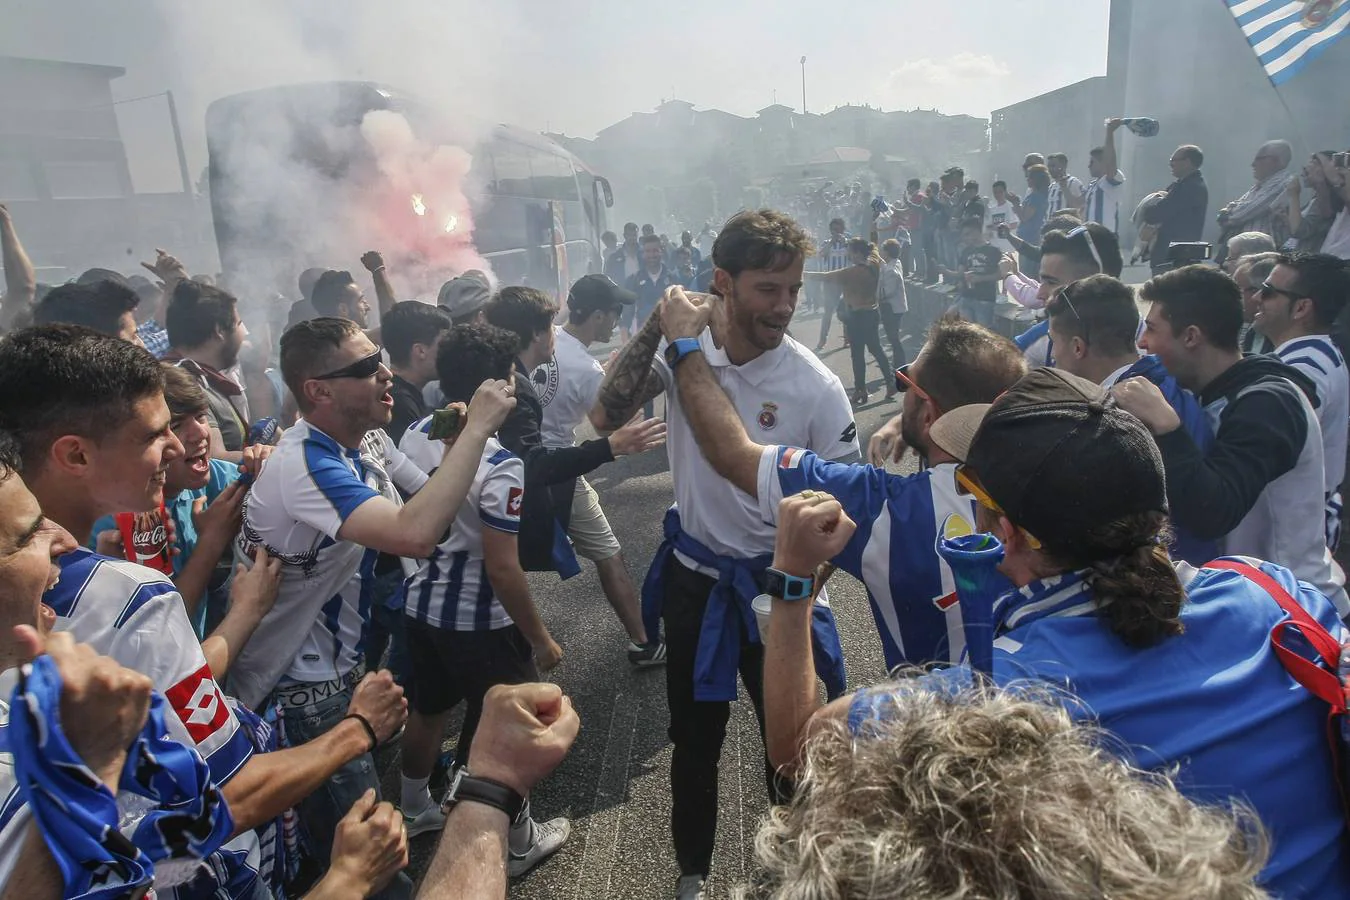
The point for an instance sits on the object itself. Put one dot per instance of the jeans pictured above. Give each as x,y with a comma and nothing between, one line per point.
386,626
863,336
698,728
890,320
981,312
321,810
830,307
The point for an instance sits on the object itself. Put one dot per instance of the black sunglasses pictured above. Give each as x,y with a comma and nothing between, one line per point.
1268,290
364,367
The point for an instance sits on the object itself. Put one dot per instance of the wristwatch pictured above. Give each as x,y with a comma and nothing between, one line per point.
484,790
788,587
679,348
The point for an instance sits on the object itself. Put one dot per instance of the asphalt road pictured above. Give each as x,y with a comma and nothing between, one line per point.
614,785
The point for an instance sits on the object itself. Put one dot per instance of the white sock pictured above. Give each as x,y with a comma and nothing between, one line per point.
416,795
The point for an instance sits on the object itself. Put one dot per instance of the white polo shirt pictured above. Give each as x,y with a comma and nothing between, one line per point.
1101,200
567,386
307,488
784,396
451,589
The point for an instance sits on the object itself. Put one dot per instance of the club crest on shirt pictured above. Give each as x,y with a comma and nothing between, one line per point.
1316,12
545,379
768,416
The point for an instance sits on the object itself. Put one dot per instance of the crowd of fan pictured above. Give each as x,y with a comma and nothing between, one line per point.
1145,728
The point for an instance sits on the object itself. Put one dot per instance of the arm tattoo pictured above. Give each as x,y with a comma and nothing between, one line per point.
631,381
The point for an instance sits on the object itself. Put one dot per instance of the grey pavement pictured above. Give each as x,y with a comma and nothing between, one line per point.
614,785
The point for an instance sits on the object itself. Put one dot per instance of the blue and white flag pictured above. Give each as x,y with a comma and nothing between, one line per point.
1289,34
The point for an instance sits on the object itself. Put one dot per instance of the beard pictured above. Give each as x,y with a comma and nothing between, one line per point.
909,434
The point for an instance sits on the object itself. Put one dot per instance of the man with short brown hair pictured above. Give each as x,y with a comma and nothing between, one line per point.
708,566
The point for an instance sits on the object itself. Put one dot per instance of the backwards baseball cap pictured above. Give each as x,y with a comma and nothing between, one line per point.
595,292
1061,459
465,294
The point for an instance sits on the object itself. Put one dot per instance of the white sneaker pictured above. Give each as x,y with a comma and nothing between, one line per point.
548,837
429,819
689,887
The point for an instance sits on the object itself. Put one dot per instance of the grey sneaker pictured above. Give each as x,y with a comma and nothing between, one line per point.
652,653
689,887
548,837
429,819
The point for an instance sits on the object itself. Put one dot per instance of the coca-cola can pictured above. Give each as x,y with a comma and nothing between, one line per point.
145,539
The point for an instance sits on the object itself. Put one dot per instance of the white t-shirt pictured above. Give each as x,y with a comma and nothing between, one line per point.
567,386
307,488
996,214
1101,201
451,589
784,396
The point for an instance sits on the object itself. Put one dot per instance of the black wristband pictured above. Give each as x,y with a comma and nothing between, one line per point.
370,729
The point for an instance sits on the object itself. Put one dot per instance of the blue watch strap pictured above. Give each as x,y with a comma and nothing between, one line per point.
682,347
788,587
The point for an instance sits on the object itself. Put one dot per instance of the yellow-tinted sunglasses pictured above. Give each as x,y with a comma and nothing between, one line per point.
967,482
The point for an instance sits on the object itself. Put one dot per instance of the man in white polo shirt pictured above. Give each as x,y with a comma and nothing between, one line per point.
717,544
1297,305
568,385
325,504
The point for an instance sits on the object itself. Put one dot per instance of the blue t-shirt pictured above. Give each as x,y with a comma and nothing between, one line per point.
1215,701
223,474
1030,228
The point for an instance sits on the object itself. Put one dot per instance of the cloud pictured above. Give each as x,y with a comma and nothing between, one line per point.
964,82
961,69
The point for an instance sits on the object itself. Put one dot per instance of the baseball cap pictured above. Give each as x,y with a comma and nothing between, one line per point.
1061,459
592,292
94,276
953,431
464,294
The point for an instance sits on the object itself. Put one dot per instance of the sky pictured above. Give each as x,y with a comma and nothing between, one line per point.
572,66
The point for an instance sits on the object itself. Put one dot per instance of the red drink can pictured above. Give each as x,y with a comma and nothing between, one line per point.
145,539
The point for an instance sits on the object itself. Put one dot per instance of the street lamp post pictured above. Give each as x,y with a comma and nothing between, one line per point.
803,85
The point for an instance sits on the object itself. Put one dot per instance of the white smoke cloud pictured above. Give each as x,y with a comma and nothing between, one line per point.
437,51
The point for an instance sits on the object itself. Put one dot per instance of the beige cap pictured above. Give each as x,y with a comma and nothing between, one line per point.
953,432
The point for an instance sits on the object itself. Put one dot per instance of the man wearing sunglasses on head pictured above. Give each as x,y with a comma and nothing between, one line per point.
1177,663
1260,488
1067,256
325,504
1296,306
911,590
1094,324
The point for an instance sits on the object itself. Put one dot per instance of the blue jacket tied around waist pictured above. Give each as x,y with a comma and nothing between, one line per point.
729,611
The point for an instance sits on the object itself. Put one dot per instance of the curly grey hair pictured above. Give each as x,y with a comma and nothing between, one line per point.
986,794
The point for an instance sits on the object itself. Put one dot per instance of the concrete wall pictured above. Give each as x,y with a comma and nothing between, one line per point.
1190,66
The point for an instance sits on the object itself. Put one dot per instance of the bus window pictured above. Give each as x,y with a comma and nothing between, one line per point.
553,177
511,168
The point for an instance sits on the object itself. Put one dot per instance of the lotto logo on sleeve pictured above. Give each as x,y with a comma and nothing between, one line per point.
199,704
514,498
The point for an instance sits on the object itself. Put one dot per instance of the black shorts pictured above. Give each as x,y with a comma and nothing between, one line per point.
450,666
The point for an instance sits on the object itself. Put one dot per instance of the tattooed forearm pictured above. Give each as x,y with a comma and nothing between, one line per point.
630,381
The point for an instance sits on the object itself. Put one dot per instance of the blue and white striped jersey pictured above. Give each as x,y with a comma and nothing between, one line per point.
451,589
1317,357
306,490
135,615
911,588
